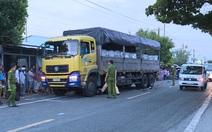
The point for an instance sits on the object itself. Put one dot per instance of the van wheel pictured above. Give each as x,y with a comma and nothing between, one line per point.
202,88
206,84
144,83
90,88
181,87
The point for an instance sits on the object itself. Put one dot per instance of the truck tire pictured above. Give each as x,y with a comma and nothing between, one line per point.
90,89
144,80
151,80
59,92
181,87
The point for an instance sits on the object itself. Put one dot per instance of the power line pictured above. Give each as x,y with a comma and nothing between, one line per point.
125,17
116,12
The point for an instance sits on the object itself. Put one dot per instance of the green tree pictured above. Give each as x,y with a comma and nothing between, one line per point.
13,15
209,61
183,12
166,44
180,56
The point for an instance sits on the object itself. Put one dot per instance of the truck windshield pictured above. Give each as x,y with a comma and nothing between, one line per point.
208,67
197,70
61,48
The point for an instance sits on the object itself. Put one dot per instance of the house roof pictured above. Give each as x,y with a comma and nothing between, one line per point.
34,40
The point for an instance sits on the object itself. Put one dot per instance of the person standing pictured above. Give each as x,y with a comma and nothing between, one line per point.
22,81
165,72
101,91
30,80
3,82
110,78
12,86
39,74
1,85
17,76
173,75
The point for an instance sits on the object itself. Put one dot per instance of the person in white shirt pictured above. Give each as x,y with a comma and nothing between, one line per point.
22,81
17,77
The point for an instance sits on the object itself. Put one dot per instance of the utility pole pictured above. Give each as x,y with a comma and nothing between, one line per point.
158,31
26,31
193,55
164,30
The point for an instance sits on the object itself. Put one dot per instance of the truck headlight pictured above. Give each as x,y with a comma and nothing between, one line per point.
73,78
43,78
181,78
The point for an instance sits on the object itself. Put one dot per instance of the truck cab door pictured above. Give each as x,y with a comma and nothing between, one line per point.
88,56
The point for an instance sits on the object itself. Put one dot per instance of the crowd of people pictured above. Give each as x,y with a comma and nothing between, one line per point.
19,81
171,73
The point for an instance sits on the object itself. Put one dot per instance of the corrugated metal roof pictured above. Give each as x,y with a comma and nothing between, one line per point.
34,40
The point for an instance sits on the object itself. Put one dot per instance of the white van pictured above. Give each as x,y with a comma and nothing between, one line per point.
208,68
192,75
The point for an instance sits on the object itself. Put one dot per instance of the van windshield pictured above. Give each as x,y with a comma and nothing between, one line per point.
197,70
208,67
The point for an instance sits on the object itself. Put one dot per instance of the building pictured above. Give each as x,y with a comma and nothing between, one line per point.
28,53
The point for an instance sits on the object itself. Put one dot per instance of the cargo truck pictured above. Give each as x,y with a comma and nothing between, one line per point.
77,60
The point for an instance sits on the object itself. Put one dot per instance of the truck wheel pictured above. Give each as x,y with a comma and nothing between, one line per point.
181,87
151,80
59,92
144,83
90,89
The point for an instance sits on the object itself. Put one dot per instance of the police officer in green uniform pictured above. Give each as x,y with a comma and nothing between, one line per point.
12,86
173,75
110,79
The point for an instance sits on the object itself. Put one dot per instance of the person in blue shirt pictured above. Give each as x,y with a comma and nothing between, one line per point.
1,85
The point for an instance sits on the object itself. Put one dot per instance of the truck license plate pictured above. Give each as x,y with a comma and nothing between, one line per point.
56,79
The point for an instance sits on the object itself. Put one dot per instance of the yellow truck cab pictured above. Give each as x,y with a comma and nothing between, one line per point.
67,61
76,61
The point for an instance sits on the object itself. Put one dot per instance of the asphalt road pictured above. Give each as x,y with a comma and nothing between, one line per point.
161,109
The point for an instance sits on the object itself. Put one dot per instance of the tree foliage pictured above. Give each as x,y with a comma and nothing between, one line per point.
166,44
13,15
180,56
183,12
209,61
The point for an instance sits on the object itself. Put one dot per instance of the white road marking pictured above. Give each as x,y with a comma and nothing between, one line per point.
32,102
192,125
138,95
31,125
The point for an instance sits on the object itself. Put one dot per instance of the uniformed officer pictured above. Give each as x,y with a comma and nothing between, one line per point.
12,86
110,79
173,75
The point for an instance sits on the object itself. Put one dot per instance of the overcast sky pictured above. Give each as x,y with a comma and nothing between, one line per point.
50,18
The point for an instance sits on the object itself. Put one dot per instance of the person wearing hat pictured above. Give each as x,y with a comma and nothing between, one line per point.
173,71
110,78
12,86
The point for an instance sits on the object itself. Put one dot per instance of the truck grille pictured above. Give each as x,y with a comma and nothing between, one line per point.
57,69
